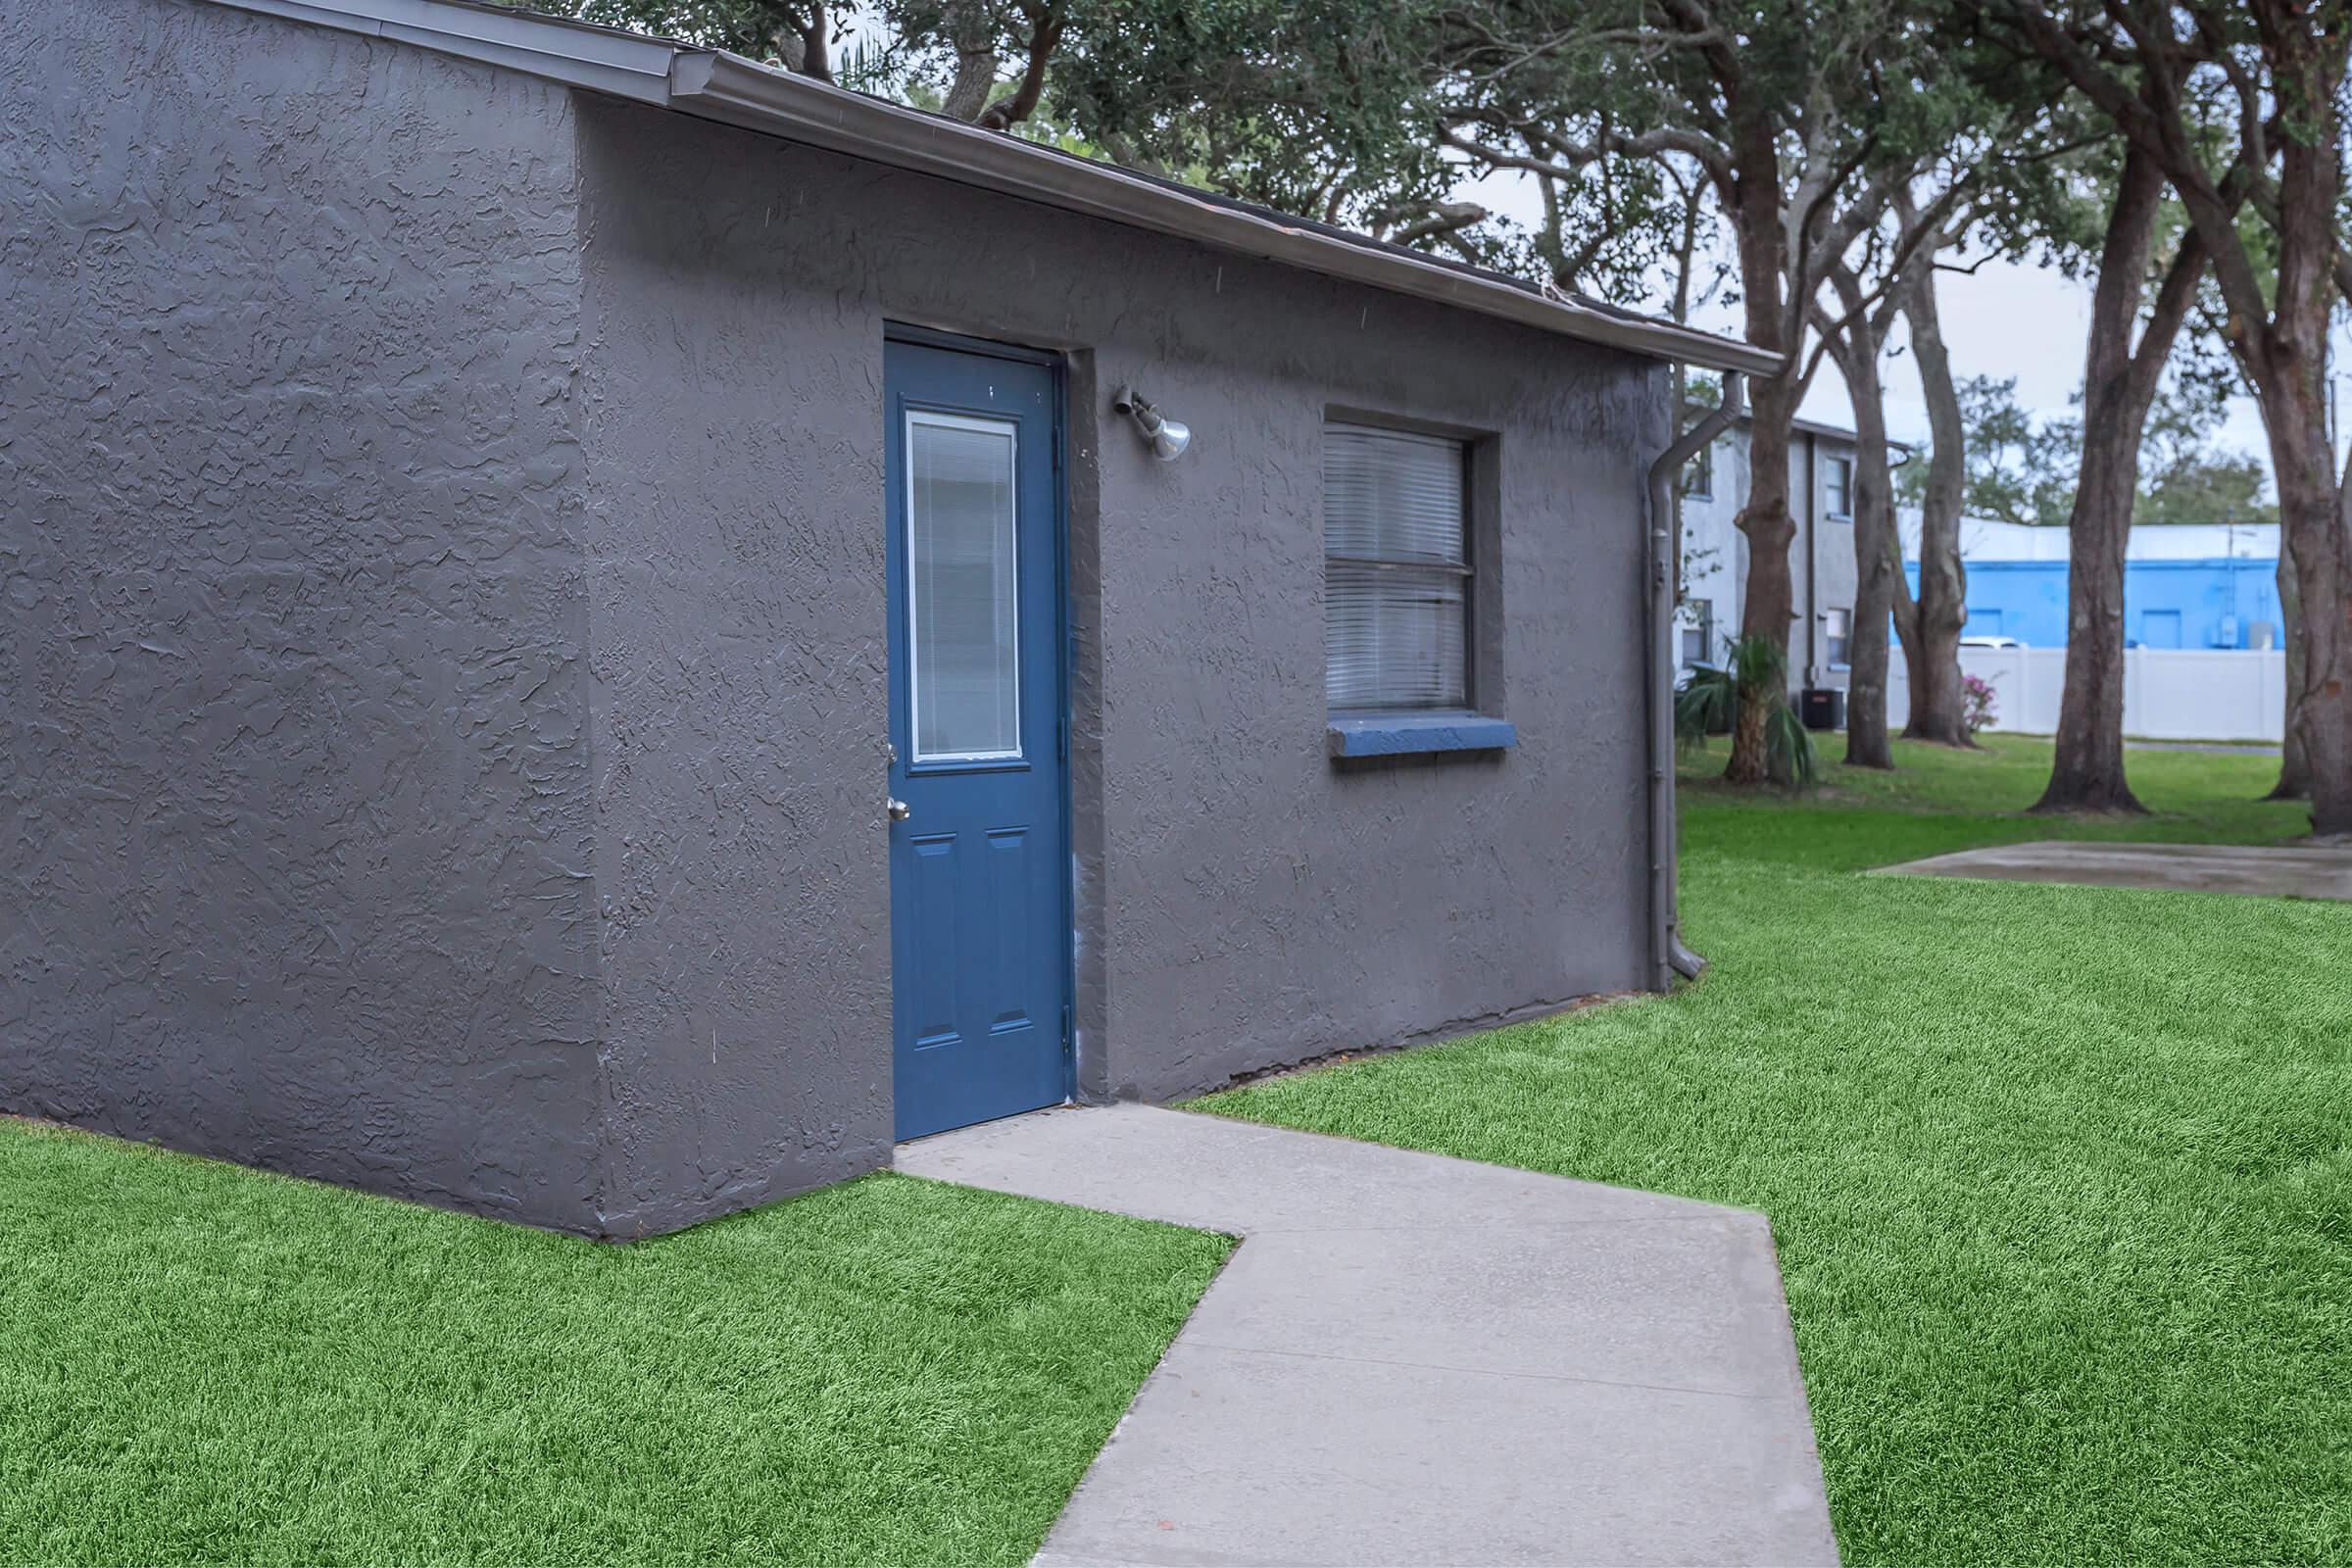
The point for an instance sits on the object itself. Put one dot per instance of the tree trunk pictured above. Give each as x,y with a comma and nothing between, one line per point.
1877,570
1771,592
2087,768
1938,706
2281,301
2287,358
1749,737
2280,335
2118,383
2295,764
972,33
2311,511
1754,205
1045,37
1878,564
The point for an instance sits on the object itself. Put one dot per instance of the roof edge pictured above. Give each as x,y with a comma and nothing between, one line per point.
726,86
714,84
604,60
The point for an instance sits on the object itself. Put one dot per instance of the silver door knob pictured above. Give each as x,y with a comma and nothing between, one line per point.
899,810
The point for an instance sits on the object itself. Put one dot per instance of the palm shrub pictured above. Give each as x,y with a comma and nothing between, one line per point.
1750,695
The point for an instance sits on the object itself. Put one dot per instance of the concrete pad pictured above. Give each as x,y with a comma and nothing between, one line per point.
1414,1359
2304,872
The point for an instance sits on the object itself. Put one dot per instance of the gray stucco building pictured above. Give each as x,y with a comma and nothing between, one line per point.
581,636
1821,569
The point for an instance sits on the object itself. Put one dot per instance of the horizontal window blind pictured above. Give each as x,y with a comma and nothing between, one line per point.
1397,570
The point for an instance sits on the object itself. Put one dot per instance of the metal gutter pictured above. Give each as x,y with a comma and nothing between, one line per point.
716,85
1668,957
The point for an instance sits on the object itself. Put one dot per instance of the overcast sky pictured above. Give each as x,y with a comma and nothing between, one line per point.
2002,321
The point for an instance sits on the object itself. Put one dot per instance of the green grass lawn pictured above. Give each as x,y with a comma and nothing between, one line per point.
1939,800
2061,1177
200,1364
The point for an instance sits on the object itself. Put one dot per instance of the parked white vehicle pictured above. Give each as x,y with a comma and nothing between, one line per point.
1990,642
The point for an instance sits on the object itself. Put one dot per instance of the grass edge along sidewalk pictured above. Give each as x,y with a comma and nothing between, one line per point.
2061,1178
205,1363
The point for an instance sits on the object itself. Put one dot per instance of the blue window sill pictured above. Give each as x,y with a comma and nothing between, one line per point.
1405,734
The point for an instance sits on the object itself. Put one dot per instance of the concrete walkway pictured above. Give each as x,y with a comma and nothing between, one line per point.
1413,1359
2309,872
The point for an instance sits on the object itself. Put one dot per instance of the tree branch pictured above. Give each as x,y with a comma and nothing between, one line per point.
1046,21
816,43
1441,217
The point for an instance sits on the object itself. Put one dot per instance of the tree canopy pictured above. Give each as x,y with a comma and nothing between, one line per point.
2021,469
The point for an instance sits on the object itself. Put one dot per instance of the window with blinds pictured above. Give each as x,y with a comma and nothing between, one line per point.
1396,569
1837,487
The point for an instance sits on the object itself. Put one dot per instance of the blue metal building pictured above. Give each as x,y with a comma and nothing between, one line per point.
2217,602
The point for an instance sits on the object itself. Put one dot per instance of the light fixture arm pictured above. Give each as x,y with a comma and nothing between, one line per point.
1166,437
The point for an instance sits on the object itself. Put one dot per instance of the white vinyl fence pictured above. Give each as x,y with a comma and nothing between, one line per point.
2169,694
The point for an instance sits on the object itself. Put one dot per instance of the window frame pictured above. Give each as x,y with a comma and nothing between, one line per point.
1476,724
1701,626
1841,464
919,414
1837,658
1699,476
1466,572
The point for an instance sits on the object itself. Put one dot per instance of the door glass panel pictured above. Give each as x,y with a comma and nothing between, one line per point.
962,577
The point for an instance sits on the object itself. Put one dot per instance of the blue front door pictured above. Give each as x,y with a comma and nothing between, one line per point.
979,865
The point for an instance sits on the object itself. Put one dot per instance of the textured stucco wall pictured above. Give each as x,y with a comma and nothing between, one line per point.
295,828
443,652
1714,550
1837,574
738,693
1243,901
1721,578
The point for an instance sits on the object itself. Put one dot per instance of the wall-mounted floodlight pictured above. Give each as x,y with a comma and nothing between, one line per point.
1168,437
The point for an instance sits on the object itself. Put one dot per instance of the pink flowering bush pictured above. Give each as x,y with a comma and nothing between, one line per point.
1975,702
